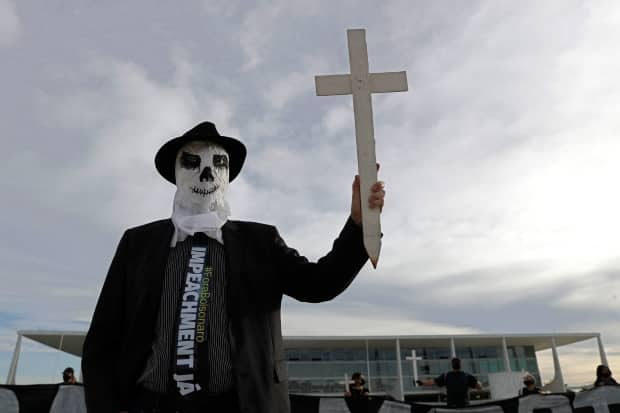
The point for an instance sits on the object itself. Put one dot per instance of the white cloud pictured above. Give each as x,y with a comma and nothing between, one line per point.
281,91
10,24
222,8
356,320
125,119
257,31
268,24
590,290
40,295
339,119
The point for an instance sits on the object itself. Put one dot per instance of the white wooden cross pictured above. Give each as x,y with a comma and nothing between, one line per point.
347,381
414,360
361,84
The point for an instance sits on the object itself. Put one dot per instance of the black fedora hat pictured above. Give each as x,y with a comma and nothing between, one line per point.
165,158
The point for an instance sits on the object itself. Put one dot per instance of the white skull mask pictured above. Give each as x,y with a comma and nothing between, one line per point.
201,173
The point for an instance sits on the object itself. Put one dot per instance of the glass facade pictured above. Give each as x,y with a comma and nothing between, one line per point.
320,370
478,361
323,369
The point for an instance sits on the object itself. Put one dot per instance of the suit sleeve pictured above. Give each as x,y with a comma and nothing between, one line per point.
102,344
330,275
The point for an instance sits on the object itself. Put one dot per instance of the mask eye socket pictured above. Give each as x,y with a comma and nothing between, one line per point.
220,161
190,161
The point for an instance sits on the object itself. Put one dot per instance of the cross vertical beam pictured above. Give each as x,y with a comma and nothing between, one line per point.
365,137
347,381
361,84
414,360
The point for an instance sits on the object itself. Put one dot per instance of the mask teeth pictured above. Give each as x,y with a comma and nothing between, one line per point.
203,192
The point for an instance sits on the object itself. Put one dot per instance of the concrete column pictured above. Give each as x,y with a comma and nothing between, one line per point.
506,356
10,378
399,370
601,351
452,347
368,366
558,378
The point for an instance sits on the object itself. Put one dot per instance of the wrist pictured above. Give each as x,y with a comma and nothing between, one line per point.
357,221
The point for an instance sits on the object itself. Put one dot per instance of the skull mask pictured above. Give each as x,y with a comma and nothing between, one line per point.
201,173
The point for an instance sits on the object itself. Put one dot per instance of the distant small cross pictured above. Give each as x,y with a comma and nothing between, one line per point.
361,84
414,360
347,381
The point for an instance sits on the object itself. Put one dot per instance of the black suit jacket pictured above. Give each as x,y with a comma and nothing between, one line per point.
260,267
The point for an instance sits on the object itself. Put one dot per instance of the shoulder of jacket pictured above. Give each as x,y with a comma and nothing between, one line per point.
253,226
154,226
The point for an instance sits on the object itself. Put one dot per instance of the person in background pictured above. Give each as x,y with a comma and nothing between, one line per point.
357,389
603,377
68,376
530,386
457,384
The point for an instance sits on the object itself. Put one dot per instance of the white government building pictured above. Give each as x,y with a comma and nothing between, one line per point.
391,364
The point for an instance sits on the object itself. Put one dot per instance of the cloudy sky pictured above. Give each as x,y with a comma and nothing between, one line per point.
500,163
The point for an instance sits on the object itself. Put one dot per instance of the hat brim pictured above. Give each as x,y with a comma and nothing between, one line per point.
165,158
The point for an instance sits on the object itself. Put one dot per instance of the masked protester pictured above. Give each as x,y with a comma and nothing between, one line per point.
188,318
529,383
603,377
68,376
357,389
356,397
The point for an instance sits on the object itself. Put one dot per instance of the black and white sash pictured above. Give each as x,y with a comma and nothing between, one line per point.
190,360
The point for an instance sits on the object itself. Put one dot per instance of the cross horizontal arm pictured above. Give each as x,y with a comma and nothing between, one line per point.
379,83
388,82
333,85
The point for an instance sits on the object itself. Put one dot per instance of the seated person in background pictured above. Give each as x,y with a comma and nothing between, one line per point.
530,386
357,389
68,376
603,377
457,384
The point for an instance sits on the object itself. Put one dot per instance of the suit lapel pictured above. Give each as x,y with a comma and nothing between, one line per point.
158,258
234,245
151,249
